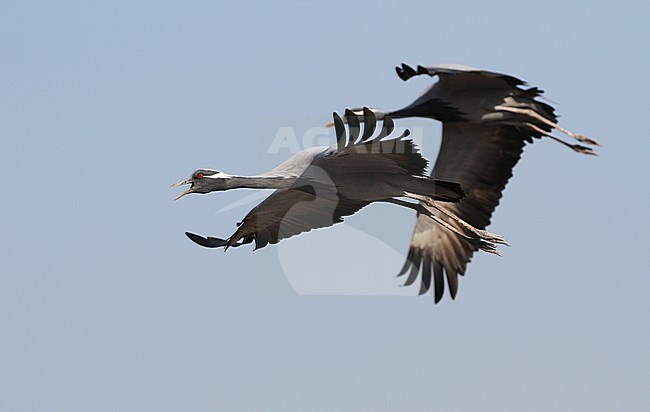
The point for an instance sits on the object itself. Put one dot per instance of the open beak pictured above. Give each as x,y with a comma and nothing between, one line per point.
184,182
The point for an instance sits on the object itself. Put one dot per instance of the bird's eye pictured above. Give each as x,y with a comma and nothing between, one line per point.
199,175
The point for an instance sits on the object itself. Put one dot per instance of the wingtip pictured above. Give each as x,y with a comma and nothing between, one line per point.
209,242
423,70
588,140
400,73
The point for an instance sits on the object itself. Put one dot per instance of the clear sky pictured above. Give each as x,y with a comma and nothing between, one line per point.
106,305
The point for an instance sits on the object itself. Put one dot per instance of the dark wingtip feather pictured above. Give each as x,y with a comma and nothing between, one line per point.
452,281
353,125
423,70
408,263
409,70
405,268
439,282
339,128
370,124
425,284
387,127
415,267
209,242
400,73
405,72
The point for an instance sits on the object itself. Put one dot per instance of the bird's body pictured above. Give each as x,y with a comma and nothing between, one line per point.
319,186
353,174
487,119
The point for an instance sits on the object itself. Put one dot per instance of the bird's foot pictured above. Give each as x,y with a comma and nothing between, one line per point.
490,237
583,149
484,245
588,140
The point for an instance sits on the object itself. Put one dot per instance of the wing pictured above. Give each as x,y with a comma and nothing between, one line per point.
462,77
370,152
480,158
286,213
375,160
463,94
487,119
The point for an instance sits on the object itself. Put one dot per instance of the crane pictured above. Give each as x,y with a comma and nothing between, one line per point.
318,186
487,118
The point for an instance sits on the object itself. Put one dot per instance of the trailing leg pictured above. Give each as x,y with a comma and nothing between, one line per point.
576,147
537,116
484,234
481,243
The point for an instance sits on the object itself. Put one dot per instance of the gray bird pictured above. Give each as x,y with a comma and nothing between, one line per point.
487,119
318,186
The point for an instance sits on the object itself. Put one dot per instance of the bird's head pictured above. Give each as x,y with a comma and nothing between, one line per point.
203,181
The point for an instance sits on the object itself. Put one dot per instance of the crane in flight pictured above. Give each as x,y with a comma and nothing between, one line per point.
318,186
487,118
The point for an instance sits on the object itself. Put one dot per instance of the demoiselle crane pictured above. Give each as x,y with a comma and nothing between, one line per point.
487,119
318,186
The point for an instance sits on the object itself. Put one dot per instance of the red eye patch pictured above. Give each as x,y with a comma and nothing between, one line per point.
199,175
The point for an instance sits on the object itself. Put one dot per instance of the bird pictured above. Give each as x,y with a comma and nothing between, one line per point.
487,118
319,186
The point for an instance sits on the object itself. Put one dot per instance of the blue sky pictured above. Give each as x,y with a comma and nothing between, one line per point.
105,304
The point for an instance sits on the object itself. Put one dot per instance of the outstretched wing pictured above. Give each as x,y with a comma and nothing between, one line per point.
465,77
463,93
481,159
375,160
374,153
286,213
487,119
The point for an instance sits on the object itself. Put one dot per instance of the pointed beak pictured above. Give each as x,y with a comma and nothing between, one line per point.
184,182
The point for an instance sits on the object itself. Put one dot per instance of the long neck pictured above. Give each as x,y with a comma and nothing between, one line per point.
261,182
